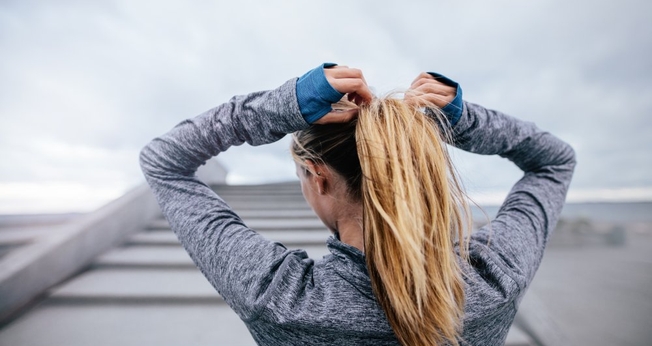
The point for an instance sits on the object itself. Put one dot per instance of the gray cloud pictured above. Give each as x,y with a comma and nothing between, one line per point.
85,85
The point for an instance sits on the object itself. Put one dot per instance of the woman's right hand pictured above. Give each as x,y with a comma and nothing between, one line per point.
348,81
321,87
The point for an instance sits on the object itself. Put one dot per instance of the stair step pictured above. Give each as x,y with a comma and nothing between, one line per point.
288,238
134,285
163,257
266,198
167,257
276,214
253,205
296,225
52,323
270,188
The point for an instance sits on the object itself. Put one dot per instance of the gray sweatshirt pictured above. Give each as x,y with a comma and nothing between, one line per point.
286,298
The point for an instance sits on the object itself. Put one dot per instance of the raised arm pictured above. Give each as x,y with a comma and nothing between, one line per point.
520,231
237,261
231,256
515,240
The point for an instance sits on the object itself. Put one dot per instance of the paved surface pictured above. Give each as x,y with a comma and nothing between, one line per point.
148,292
600,295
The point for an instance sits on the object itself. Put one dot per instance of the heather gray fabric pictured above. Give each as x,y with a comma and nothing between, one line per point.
286,298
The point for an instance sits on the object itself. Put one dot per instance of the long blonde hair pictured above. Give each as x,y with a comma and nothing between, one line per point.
414,210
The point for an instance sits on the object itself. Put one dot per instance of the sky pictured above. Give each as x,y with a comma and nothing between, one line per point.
84,85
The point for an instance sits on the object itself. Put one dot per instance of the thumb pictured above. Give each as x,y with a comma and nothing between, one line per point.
338,116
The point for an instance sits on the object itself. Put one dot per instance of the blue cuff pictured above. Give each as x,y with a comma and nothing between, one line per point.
315,95
453,110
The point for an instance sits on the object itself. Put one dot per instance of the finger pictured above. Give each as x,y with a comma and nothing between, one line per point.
345,73
429,94
338,116
358,100
423,81
363,96
355,98
436,88
353,85
415,98
423,75
429,99
432,94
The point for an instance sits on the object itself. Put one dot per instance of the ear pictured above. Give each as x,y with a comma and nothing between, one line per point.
319,176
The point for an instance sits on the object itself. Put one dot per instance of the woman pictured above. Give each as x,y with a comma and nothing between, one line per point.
401,269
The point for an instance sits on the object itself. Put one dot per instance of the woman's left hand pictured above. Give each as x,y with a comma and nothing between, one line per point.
425,90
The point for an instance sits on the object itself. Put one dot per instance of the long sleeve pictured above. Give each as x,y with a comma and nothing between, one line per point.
237,261
514,241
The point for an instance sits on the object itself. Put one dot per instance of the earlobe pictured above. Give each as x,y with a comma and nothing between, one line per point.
321,181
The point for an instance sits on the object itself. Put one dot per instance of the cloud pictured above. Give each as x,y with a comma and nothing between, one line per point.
83,84
53,197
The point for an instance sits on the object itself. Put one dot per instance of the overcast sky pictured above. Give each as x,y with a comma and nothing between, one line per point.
84,85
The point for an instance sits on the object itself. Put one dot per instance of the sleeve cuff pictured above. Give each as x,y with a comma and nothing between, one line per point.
315,95
452,110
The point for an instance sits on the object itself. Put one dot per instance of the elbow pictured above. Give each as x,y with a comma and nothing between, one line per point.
570,155
145,160
561,153
154,161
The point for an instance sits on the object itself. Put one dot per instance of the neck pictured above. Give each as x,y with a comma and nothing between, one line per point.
350,227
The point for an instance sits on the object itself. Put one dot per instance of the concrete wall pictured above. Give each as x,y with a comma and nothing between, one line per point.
31,269
212,173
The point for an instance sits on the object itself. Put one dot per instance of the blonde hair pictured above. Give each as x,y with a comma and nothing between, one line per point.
414,210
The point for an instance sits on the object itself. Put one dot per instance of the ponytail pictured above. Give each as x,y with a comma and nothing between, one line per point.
413,210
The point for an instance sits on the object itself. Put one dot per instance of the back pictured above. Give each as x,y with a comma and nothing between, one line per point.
330,302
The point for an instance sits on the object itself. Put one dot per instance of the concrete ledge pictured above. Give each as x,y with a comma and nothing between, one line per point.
288,238
32,269
170,257
136,285
263,225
